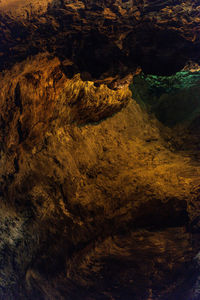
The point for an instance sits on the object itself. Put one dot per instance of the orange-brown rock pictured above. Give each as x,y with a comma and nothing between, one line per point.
103,38
98,199
80,165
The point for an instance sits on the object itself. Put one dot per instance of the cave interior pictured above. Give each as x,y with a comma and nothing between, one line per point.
99,150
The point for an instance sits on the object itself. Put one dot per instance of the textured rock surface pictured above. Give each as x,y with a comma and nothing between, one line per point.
80,165
98,199
102,39
173,99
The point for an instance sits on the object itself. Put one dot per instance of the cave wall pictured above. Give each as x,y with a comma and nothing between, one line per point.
99,199
173,99
80,164
102,38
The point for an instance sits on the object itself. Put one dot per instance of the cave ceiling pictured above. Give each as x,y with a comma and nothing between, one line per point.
102,38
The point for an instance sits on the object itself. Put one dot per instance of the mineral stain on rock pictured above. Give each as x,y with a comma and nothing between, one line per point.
99,150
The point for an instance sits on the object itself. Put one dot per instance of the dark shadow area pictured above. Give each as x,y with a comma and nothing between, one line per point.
173,99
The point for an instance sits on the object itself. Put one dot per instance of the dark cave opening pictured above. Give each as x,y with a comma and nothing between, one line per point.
173,99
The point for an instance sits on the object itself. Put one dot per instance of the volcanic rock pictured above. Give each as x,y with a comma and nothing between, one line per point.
99,195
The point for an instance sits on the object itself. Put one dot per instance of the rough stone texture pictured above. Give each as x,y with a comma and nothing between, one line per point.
98,199
101,39
80,165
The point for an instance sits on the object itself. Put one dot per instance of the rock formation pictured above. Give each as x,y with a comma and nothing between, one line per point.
98,198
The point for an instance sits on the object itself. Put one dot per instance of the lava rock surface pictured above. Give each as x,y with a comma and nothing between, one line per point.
98,199
104,38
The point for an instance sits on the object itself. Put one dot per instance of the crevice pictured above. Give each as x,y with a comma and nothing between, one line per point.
16,164
20,132
17,98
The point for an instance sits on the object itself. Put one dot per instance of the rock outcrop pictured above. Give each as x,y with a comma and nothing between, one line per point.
98,199
80,165
102,39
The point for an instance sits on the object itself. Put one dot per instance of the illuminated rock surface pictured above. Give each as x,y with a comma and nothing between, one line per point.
99,197
101,38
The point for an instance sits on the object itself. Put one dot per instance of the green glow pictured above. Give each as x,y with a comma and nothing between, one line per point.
173,99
